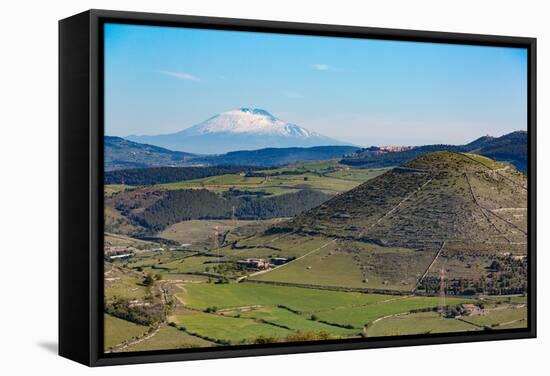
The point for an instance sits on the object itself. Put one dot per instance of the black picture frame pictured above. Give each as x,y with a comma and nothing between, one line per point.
81,185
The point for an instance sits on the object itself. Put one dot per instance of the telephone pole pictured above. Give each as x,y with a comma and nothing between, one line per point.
234,215
217,242
442,291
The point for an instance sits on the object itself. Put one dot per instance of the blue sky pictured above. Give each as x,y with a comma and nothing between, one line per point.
367,92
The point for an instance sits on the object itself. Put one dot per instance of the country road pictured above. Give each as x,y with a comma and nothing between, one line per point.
429,266
288,263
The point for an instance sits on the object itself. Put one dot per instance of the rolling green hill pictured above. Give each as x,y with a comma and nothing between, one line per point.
461,213
122,154
437,197
510,148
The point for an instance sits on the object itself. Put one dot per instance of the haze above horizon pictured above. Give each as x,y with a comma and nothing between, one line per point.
367,92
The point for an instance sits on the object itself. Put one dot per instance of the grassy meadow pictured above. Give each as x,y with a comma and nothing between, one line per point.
418,323
118,331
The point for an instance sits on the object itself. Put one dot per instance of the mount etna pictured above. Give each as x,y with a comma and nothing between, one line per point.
242,129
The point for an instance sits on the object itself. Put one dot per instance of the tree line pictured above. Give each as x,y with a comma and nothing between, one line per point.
163,175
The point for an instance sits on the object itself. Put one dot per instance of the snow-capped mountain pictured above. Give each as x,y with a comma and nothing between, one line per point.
248,120
242,129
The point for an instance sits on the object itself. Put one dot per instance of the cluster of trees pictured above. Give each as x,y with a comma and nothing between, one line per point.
455,286
162,175
504,276
287,205
226,269
181,205
257,174
234,192
143,314
299,336
149,279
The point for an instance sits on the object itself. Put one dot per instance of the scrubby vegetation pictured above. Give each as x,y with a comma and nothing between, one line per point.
142,313
439,196
299,336
501,276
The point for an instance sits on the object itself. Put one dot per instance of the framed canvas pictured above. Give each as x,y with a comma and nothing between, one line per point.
235,187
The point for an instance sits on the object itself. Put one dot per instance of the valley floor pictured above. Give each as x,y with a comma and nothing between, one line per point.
208,314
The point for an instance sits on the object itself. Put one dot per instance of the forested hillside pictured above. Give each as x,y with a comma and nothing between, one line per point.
277,156
169,207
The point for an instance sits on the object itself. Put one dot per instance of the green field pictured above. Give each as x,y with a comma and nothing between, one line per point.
291,320
172,262
517,299
168,338
123,284
360,316
126,241
197,231
336,313
274,184
502,315
202,232
417,323
487,162
118,331
357,175
276,245
228,329
325,176
353,264
321,166
323,267
187,278
233,295
521,324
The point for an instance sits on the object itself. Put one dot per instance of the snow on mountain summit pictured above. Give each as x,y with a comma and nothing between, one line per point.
256,111
245,128
247,120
